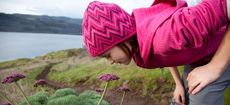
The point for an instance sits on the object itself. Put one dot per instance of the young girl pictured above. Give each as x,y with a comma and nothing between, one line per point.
166,34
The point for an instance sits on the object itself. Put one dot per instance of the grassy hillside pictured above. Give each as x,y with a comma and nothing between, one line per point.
73,68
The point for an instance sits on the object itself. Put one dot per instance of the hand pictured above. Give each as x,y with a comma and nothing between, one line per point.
202,76
179,95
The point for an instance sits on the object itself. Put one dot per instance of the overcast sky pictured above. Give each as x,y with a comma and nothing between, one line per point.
68,8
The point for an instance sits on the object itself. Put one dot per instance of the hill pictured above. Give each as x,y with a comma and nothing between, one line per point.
39,24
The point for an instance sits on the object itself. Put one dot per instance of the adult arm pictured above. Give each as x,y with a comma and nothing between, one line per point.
204,75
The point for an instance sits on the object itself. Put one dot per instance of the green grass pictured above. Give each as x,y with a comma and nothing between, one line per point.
227,96
89,73
14,63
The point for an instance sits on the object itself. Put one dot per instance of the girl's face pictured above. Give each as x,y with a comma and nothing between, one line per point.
117,55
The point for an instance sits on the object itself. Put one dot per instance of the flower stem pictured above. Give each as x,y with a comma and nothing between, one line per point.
4,96
122,99
43,89
22,93
99,102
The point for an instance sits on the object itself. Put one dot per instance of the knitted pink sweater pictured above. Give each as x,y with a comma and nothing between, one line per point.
170,34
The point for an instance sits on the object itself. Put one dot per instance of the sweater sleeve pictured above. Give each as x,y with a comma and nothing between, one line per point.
191,27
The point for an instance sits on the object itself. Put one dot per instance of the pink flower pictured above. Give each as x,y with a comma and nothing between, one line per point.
124,88
39,82
5,104
99,90
108,77
13,78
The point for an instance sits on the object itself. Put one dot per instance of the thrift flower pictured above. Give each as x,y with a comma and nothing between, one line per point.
5,104
124,89
39,82
99,90
107,78
13,78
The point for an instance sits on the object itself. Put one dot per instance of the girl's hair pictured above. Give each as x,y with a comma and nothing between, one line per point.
133,42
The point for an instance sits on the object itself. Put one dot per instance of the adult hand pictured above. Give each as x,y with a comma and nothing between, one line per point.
179,95
202,76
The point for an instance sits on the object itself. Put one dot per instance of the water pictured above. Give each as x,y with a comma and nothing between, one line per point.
15,45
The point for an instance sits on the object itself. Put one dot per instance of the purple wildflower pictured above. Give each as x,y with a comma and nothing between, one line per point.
39,82
124,88
5,104
108,77
13,78
99,90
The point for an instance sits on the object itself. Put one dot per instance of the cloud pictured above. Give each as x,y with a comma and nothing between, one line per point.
68,8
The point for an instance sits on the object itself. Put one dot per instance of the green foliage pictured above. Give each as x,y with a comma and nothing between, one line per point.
66,96
39,98
90,98
62,93
64,100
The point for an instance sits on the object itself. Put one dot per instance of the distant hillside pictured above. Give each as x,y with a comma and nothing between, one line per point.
39,24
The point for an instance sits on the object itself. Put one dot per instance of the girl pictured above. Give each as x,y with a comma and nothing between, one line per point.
166,34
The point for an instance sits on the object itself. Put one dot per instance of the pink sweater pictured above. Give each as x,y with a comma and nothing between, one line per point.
170,34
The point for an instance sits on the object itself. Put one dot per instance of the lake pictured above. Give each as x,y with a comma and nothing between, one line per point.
15,45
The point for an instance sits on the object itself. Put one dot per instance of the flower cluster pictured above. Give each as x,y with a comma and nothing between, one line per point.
5,104
39,82
99,90
13,78
124,88
108,77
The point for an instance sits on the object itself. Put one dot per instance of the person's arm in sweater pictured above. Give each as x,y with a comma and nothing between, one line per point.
204,75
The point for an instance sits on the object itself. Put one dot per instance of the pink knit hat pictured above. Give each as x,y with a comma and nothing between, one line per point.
104,26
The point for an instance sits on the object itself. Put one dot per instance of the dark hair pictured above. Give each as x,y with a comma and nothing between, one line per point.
133,42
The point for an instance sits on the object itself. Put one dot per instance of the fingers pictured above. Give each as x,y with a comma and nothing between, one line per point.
198,88
183,99
192,85
180,100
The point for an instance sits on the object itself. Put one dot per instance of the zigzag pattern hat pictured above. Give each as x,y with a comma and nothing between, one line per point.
104,26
